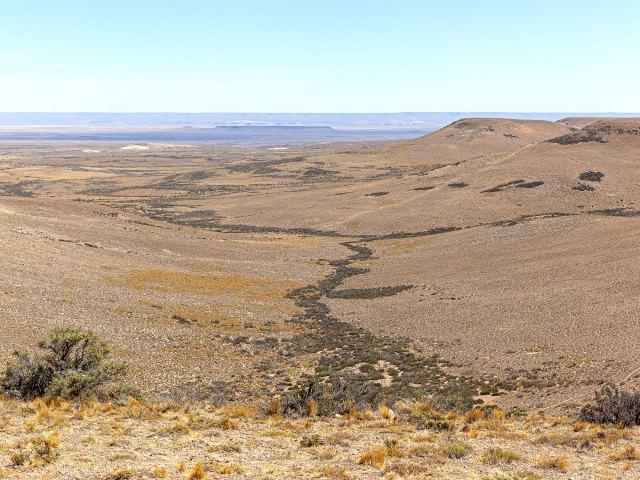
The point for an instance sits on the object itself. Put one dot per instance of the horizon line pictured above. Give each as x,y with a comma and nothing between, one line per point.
316,113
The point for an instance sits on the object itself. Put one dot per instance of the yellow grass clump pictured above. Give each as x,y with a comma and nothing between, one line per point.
496,456
205,284
375,457
556,463
627,453
198,473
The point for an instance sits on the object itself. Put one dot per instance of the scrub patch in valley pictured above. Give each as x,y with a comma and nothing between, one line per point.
368,293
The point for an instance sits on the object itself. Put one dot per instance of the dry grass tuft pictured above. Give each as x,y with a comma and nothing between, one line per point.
121,474
498,415
556,438
313,408
376,457
227,424
455,450
37,451
471,430
198,473
231,468
274,407
385,412
335,473
161,472
553,463
497,456
627,453
580,426
475,415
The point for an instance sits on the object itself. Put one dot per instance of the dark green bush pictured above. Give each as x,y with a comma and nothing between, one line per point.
591,176
73,363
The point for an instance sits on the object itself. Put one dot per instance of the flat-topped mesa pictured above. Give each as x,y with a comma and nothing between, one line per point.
273,128
599,130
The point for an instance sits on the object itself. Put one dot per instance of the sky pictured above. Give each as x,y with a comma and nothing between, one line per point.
319,56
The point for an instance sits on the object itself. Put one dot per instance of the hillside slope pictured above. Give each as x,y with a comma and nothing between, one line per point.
471,138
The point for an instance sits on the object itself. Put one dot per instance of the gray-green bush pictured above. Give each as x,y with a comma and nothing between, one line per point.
72,363
613,406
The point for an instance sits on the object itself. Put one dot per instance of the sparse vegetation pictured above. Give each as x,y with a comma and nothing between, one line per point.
390,442
377,194
557,463
535,184
198,473
342,395
455,449
591,176
627,453
368,293
424,415
36,451
120,474
583,187
497,456
502,186
311,441
376,457
580,136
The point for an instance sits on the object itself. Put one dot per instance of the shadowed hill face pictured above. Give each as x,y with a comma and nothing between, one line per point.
471,138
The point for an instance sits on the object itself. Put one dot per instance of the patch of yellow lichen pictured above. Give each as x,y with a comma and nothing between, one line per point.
214,284
405,246
361,264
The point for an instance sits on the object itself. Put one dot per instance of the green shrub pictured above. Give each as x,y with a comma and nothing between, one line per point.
424,416
73,364
613,406
455,450
496,456
312,441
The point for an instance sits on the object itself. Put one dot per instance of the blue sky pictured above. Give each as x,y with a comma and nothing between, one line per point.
319,56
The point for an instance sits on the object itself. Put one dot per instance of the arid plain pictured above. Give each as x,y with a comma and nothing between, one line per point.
495,261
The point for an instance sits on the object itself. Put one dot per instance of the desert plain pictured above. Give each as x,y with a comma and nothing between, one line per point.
493,263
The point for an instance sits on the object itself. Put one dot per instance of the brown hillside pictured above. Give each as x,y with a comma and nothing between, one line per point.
471,138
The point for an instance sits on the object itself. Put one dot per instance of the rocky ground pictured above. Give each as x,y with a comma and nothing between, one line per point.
60,440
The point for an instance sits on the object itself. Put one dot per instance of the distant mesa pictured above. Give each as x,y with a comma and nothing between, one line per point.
272,128
135,147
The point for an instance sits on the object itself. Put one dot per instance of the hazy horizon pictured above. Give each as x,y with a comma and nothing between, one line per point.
277,129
